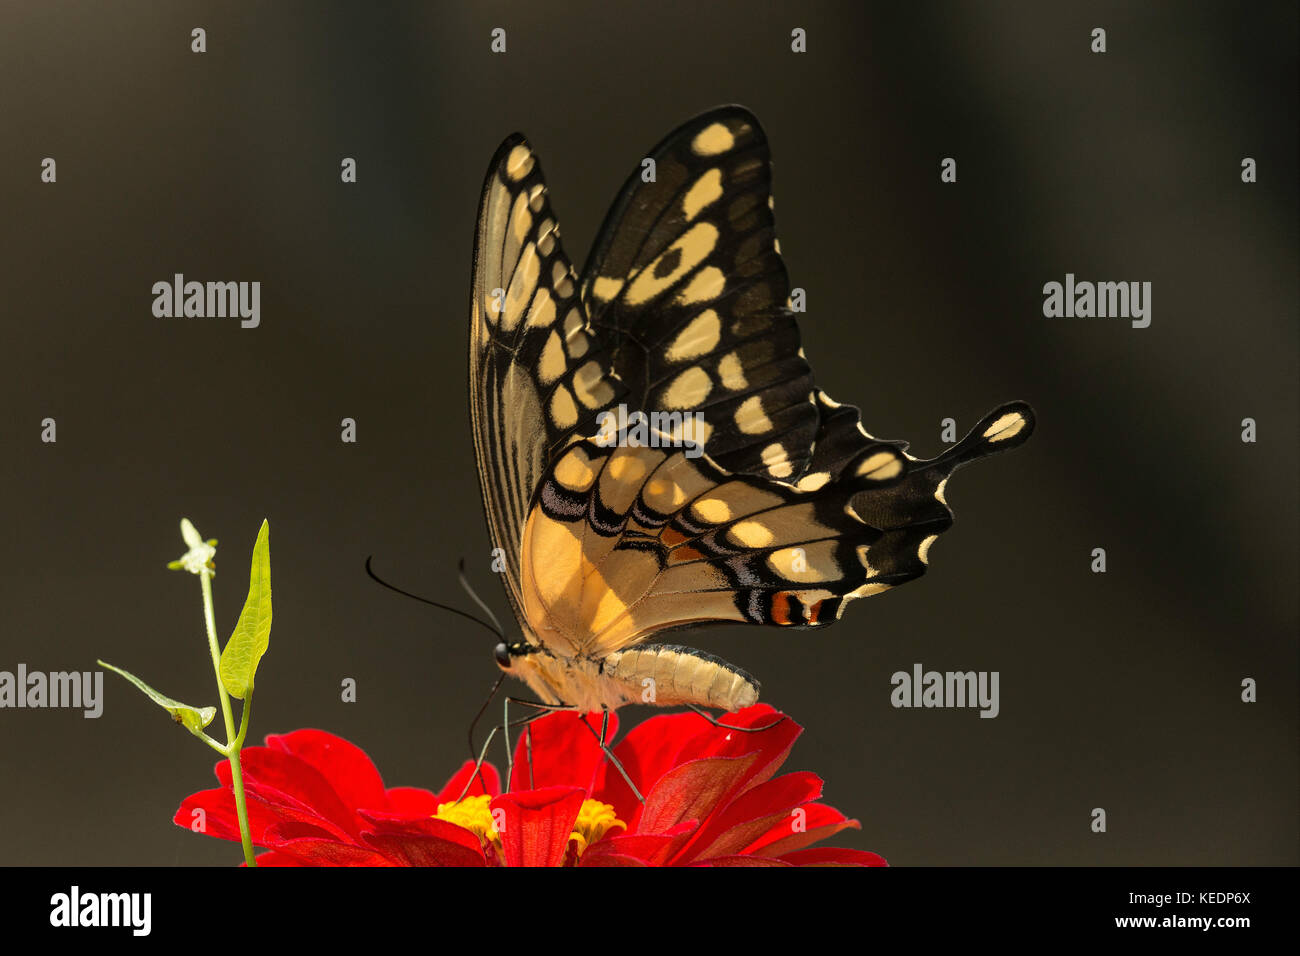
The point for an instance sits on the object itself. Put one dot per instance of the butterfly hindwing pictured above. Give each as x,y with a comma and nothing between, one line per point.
628,541
625,542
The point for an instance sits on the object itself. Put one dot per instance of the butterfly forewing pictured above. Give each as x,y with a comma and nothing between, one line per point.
536,374
686,287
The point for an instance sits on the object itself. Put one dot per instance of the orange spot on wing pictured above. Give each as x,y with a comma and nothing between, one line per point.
672,537
781,607
687,553
813,611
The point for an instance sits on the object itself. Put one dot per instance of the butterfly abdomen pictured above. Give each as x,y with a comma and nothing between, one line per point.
669,675
657,674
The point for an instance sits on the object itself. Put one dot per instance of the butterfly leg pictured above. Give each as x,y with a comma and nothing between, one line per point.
482,754
604,728
478,765
541,710
744,730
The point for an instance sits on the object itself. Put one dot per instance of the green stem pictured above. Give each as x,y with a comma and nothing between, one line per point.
219,748
233,742
241,807
243,720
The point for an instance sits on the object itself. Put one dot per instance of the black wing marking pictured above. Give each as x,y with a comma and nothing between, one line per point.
686,288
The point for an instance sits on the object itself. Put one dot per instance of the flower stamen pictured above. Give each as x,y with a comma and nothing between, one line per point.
473,814
595,819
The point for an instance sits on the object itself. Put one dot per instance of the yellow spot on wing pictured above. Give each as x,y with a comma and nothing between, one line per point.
880,466
561,281
712,510
688,389
783,563
521,287
563,412
535,196
664,496
573,323
866,590
575,470
692,430
777,461
542,312
700,336
751,534
520,218
590,386
750,417
519,163
627,466
552,365
705,287
813,481
605,288
707,189
732,372
1008,426
712,140
685,254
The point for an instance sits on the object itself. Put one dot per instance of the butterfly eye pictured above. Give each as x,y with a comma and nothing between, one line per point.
502,654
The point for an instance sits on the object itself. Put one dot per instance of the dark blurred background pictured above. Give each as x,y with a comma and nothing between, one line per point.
1119,691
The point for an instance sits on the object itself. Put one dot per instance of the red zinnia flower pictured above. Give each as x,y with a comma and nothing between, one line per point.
711,797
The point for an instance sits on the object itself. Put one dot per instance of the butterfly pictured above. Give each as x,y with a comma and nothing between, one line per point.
652,449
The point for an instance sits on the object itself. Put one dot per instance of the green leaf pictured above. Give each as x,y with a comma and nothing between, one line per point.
194,719
253,632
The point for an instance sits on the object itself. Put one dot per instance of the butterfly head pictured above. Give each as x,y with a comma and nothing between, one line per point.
508,654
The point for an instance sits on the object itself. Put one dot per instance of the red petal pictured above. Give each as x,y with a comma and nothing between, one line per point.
537,824
221,821
412,802
832,856
759,810
647,752
772,742
652,848
343,764
742,861
610,859
274,858
456,785
821,823
692,791
428,842
564,752
317,852
282,775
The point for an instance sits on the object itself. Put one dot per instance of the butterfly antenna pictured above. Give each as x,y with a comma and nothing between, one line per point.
464,582
446,607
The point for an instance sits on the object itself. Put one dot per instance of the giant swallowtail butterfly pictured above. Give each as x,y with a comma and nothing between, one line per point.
741,493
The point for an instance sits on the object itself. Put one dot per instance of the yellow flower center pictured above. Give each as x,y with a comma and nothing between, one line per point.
595,819
472,813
